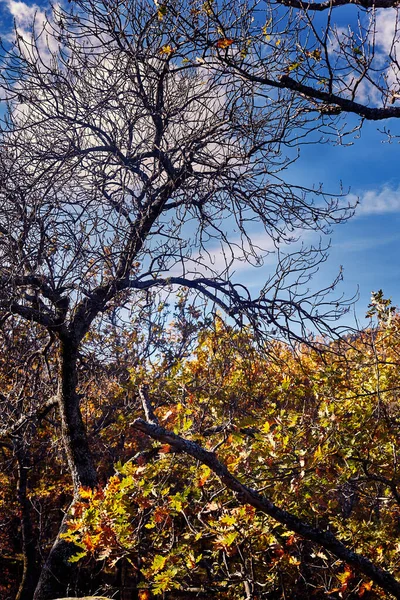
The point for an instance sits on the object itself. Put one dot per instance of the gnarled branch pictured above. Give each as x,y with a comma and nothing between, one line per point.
247,495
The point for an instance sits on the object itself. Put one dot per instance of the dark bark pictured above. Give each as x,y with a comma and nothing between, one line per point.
334,103
74,434
30,573
331,103
58,576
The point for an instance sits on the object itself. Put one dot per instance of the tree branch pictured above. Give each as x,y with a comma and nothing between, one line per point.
247,495
147,407
35,415
30,314
321,6
333,103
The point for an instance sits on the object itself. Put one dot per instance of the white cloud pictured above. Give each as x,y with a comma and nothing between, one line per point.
382,46
237,257
377,202
387,25
387,43
24,14
262,253
31,16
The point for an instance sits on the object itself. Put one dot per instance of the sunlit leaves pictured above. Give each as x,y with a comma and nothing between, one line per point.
266,30
208,7
158,563
315,54
294,66
313,431
380,307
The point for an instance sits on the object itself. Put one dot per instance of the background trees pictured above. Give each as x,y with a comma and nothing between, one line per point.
141,145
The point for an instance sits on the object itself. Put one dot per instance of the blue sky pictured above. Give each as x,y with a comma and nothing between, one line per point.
366,246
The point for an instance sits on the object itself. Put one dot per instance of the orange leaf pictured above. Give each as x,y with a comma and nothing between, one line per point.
87,540
165,449
205,474
224,43
365,587
159,515
276,551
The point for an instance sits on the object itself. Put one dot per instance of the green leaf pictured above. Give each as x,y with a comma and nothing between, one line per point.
158,562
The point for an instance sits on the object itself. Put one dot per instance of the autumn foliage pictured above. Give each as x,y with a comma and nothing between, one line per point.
316,430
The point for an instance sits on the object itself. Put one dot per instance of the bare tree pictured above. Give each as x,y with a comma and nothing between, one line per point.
143,149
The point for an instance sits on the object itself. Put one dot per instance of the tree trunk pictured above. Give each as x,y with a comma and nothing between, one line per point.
30,573
58,577
74,433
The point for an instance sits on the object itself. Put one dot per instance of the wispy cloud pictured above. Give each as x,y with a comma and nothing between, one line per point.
364,244
236,257
377,201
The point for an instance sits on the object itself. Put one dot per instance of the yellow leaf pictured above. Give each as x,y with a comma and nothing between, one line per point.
158,563
205,474
85,493
208,8
294,66
265,29
167,49
318,453
265,428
